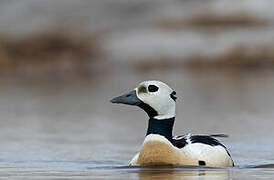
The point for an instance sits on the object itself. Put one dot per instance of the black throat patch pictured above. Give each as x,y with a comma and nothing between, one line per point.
148,109
162,127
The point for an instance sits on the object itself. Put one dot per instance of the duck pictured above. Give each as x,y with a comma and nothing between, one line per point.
160,147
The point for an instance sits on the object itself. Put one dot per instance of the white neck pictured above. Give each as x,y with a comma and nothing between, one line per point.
162,117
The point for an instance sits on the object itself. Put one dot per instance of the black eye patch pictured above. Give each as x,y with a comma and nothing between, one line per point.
152,88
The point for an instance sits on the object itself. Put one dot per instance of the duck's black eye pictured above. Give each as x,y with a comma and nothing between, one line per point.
152,88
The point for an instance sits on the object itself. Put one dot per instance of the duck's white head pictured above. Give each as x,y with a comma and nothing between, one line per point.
155,97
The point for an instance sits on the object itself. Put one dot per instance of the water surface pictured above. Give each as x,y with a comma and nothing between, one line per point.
70,130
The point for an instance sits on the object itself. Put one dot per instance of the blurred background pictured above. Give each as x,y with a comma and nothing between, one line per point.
62,61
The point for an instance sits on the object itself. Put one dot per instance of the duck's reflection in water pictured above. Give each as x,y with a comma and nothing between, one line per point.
169,173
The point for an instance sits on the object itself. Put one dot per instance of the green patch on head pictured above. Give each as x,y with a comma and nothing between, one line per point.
142,89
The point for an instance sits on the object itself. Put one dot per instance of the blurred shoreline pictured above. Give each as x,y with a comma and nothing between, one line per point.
64,40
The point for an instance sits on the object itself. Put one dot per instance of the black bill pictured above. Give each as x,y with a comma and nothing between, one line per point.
128,98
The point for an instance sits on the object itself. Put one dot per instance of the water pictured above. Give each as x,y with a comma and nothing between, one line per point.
70,130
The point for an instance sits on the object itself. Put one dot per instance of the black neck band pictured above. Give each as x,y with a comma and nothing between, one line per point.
162,127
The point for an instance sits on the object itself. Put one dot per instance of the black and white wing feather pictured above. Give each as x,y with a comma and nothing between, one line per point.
179,141
183,140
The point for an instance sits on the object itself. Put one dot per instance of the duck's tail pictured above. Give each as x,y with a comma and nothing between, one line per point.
219,135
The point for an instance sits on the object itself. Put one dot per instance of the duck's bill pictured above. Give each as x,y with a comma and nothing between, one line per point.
128,98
